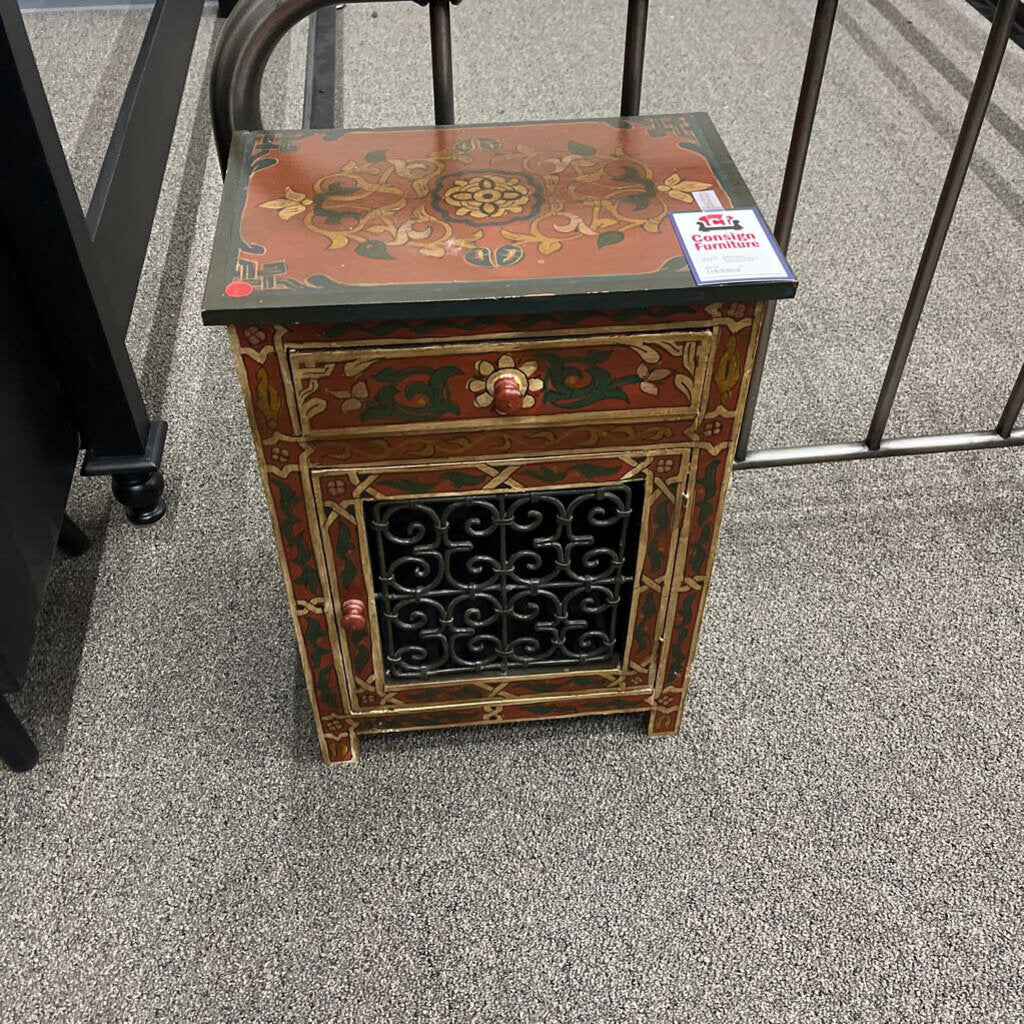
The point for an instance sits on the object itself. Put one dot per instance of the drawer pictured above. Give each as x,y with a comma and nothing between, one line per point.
647,376
501,581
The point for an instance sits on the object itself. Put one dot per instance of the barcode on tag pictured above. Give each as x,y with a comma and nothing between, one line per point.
708,200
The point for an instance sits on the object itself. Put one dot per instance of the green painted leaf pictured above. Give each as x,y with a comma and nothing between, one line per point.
686,615
629,174
324,690
707,481
382,405
314,632
319,281
308,578
479,257
698,550
361,659
581,149
675,263
545,474
344,550
418,388
408,486
374,250
609,238
461,479
661,513
376,156
592,472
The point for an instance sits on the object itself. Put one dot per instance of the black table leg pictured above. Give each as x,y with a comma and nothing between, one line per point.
71,540
136,481
16,746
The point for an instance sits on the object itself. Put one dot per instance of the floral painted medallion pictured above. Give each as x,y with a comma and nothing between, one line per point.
475,197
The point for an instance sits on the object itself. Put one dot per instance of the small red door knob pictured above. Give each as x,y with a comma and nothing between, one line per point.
353,614
508,395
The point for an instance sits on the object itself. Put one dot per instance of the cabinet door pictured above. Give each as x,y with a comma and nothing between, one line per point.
484,583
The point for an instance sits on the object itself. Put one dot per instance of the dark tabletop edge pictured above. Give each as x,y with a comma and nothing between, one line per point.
675,298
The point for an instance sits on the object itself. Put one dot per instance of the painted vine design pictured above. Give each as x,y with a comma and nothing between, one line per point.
556,381
441,203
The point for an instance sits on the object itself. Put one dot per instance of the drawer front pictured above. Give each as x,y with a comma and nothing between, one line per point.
403,389
493,582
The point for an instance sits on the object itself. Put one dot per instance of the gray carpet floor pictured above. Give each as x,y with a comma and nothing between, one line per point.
836,834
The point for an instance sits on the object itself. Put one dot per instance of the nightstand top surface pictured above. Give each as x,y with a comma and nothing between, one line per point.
348,225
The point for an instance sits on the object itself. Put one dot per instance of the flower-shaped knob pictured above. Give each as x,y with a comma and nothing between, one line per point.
353,614
508,394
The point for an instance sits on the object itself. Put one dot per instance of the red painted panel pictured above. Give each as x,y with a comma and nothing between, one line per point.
462,204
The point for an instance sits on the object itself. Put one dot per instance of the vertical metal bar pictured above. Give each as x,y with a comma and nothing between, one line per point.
1013,407
633,61
960,162
321,62
441,60
807,107
123,203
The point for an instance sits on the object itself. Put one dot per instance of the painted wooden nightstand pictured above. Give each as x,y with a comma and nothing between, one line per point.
494,411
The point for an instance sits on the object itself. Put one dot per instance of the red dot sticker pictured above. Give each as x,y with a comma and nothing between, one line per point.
238,290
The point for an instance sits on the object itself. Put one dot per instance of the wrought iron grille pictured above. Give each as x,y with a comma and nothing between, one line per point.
498,584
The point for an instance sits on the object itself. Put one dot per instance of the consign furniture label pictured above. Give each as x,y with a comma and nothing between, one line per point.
727,246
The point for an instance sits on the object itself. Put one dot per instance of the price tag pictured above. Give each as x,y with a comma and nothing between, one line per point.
727,246
708,200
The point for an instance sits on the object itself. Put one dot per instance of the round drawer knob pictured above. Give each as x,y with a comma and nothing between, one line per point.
353,614
508,395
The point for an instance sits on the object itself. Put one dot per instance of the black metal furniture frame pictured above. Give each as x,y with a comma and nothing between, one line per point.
69,286
96,257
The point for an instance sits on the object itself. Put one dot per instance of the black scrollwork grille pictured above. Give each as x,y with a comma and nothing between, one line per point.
505,583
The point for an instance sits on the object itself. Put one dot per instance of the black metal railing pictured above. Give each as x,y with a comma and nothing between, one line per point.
97,257
876,444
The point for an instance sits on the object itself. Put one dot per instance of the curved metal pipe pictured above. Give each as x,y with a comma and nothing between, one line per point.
246,42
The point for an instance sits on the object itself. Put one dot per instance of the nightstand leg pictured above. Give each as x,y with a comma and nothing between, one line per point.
136,480
668,716
342,748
